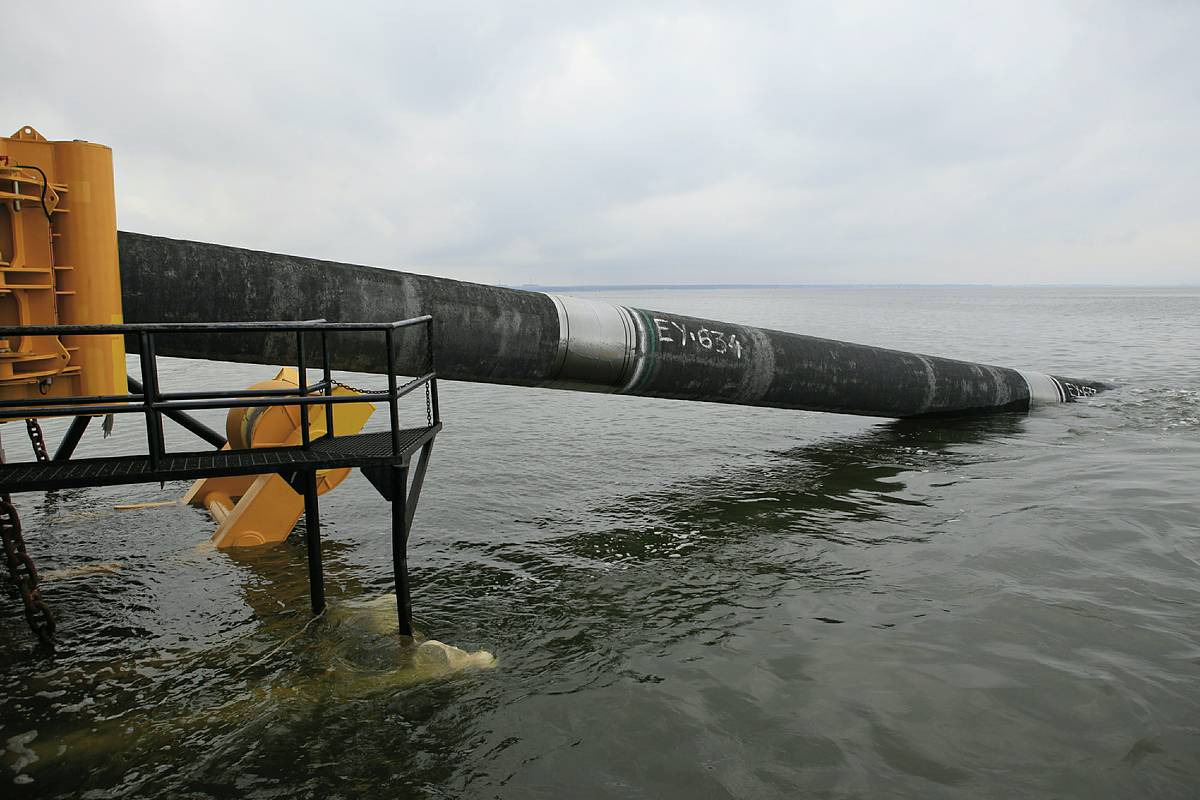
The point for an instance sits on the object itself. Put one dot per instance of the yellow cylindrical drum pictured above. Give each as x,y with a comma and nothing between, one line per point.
88,243
58,266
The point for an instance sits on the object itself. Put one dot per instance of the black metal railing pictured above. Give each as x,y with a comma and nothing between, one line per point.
152,402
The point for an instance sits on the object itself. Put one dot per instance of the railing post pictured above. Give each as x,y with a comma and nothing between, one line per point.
156,397
433,392
393,400
302,368
149,390
327,376
429,344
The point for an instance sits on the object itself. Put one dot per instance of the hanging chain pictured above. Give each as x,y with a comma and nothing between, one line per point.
359,390
37,439
428,398
24,573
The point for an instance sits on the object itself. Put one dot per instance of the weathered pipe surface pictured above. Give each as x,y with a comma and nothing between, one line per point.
483,333
497,335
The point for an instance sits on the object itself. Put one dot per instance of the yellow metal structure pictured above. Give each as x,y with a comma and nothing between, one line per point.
262,509
58,266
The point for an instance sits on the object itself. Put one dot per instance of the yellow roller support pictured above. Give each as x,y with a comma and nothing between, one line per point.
253,510
58,266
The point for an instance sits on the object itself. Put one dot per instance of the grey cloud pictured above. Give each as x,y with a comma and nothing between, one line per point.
873,142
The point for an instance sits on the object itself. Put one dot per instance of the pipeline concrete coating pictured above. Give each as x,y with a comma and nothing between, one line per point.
499,335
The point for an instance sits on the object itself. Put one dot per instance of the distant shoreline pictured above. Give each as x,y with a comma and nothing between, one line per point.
623,287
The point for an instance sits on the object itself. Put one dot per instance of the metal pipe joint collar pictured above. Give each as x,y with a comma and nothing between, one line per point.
1044,390
597,345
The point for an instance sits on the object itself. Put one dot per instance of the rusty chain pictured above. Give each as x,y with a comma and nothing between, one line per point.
359,389
24,573
37,439
20,566
428,399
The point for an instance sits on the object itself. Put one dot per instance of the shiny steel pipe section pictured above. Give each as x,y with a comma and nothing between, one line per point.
597,345
1044,390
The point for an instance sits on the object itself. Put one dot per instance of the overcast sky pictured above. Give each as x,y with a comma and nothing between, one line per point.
608,142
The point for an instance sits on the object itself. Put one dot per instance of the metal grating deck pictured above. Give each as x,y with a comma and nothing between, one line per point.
364,449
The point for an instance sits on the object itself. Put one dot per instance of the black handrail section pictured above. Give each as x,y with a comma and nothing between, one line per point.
385,458
153,403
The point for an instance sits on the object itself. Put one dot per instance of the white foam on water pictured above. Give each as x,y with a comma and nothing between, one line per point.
19,746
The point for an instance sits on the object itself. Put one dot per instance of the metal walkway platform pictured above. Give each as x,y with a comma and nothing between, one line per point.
389,458
361,450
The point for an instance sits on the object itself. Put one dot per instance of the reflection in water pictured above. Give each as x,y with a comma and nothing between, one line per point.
271,581
812,489
201,671
700,560
780,522
571,605
226,699
139,695
1016,596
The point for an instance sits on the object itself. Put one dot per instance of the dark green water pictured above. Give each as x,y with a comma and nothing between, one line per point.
685,600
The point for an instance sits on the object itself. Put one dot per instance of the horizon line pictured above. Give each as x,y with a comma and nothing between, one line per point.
559,287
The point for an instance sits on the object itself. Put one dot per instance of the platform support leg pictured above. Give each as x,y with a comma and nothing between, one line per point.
398,483
418,480
312,539
66,447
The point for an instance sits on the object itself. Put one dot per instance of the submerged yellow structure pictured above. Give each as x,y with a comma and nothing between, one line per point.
58,266
253,510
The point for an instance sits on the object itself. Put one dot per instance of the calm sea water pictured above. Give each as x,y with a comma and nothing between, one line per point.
685,600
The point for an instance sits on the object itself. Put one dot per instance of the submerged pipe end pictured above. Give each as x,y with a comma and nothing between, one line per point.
1047,390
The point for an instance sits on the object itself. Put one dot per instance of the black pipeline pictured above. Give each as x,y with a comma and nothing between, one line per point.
497,335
